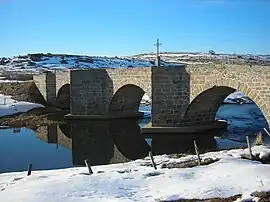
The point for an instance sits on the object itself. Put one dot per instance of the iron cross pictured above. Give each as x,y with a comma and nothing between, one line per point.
157,45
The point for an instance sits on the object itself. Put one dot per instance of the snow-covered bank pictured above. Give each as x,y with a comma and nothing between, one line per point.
238,97
135,181
9,106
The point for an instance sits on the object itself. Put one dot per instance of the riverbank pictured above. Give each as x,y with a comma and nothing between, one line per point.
228,178
34,118
22,91
22,105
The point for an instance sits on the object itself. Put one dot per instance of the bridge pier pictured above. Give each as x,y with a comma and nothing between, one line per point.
170,95
90,92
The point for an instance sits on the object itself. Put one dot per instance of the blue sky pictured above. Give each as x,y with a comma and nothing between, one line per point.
125,27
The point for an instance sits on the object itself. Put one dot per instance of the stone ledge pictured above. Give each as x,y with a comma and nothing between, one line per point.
122,115
183,130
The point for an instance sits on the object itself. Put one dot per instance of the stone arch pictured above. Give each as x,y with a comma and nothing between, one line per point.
64,137
206,99
63,97
126,134
126,98
136,82
65,128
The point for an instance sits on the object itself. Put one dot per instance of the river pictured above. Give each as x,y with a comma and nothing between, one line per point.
19,147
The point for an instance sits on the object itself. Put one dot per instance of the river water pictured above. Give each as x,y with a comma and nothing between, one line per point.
19,147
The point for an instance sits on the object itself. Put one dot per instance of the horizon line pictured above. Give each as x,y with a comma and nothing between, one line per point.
138,54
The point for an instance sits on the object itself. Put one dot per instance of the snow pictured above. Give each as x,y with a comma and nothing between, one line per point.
34,63
134,181
3,79
9,106
51,62
238,97
206,58
10,81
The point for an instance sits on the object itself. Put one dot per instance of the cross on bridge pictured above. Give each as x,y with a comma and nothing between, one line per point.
157,45
157,62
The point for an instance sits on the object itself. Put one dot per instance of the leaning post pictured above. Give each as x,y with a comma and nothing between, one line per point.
152,160
29,169
88,166
249,148
197,153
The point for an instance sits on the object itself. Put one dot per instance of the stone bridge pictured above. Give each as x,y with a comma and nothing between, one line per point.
181,95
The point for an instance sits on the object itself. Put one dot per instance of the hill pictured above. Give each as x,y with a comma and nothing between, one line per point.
39,62
202,58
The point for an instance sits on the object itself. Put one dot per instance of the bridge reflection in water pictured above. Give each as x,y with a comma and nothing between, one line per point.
99,141
116,141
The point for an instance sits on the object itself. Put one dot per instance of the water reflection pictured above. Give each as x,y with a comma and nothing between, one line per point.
127,137
246,119
17,150
120,140
99,141
113,141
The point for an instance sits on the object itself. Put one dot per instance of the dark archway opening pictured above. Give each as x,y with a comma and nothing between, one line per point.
243,116
132,98
63,97
126,99
204,107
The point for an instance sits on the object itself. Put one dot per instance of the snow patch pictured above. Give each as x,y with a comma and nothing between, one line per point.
9,106
134,181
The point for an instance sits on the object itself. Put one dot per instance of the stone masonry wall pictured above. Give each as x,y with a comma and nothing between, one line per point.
254,81
87,83
172,89
62,78
170,96
90,90
139,76
46,84
49,84
40,81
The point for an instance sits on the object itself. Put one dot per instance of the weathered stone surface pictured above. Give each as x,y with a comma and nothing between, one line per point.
180,95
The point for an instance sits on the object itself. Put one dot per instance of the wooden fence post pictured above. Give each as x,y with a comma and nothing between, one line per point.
197,153
88,165
249,148
29,169
152,159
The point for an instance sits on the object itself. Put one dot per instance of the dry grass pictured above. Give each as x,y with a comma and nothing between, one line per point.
34,118
259,139
228,199
189,164
32,122
24,91
256,157
263,195
177,156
